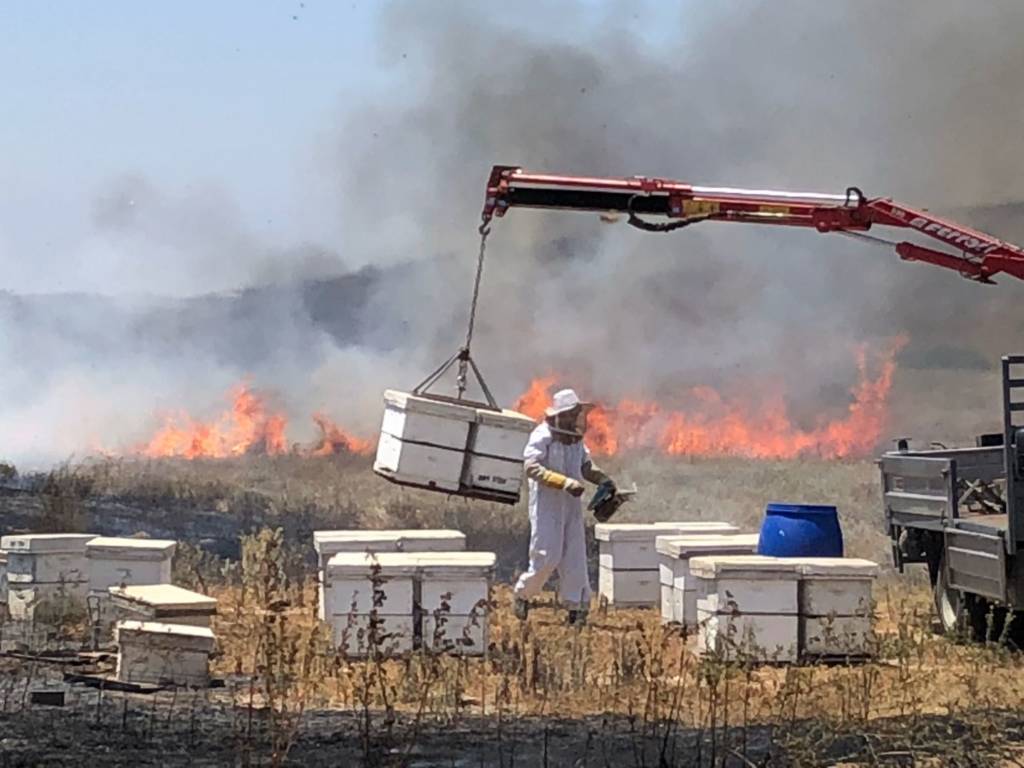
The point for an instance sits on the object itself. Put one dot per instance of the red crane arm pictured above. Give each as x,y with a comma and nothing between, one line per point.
980,255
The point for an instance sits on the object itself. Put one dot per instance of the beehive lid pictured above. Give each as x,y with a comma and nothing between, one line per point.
362,564
694,545
200,638
455,564
114,547
358,540
648,531
506,420
164,596
409,564
740,566
415,404
838,567
46,542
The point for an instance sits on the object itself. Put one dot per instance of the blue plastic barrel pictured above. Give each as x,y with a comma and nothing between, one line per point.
800,530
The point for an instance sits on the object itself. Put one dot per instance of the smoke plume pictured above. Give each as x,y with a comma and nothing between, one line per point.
916,100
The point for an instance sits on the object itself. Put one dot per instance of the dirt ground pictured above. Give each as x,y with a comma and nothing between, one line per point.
197,730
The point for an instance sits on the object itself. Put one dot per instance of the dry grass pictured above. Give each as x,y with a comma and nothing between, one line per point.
624,662
304,494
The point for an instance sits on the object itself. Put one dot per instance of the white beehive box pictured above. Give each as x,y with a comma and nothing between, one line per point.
627,588
502,434
628,560
329,543
423,441
452,446
455,600
411,592
45,569
415,419
747,606
114,561
156,653
426,466
497,443
678,590
488,474
631,546
165,603
835,605
45,603
46,558
353,598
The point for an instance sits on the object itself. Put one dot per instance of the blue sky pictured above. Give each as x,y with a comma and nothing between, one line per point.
229,93
232,95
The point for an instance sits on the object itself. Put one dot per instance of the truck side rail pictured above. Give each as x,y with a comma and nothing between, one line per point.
922,491
1013,384
919,491
975,463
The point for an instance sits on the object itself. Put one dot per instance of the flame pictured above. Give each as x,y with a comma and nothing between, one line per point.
535,400
714,426
602,435
248,428
333,439
711,426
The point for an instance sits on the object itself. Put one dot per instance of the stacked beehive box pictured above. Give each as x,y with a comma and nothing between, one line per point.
454,601
628,559
163,603
678,588
115,561
390,602
157,653
836,606
781,609
329,543
747,607
46,572
452,446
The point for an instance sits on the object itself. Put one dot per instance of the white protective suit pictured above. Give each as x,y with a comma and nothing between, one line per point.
557,537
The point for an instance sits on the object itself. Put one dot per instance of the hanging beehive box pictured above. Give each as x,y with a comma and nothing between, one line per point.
452,446
423,441
496,445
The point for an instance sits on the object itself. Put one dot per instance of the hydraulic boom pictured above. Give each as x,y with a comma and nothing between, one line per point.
980,256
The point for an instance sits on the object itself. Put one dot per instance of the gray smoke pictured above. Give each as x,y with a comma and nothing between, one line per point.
916,100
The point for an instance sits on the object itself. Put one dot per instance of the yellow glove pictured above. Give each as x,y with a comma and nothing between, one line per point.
560,481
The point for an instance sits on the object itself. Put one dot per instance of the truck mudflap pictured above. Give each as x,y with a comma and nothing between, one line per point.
976,563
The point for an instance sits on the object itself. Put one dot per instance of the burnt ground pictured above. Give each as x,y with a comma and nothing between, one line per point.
24,510
204,729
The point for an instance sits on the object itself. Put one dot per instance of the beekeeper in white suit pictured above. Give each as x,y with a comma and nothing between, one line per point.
557,461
